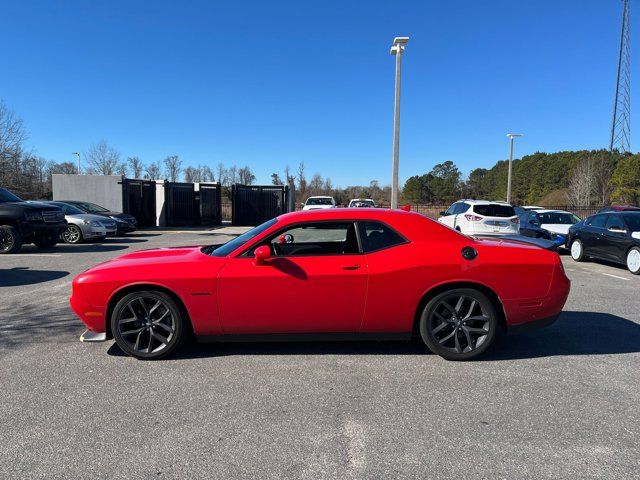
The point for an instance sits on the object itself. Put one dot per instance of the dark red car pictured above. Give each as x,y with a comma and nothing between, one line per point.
336,273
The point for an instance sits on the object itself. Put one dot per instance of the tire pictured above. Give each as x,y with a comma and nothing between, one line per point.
10,239
577,250
72,234
46,242
459,324
633,260
148,325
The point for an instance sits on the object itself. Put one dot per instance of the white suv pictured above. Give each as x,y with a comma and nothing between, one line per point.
319,203
481,217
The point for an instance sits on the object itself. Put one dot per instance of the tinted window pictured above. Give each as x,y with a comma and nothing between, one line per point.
451,210
319,201
324,238
462,207
7,196
633,222
615,222
68,209
494,210
376,236
558,218
237,242
597,221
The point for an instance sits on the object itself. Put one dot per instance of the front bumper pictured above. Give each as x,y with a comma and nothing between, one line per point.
31,230
90,231
92,316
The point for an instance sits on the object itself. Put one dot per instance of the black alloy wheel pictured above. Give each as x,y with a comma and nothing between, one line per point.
459,324
147,325
10,240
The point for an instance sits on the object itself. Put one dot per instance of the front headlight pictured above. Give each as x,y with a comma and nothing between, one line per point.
118,219
33,216
95,223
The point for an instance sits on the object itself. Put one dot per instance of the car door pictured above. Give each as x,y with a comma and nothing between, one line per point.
615,240
314,282
592,238
449,216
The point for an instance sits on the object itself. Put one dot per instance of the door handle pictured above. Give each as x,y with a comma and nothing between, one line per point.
351,267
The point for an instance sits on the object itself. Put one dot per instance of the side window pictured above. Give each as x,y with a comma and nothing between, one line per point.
615,222
598,221
452,209
324,238
463,207
377,236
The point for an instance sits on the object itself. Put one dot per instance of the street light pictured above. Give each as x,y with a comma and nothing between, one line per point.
397,49
511,137
78,154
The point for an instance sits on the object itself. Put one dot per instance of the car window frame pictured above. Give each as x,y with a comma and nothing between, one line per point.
360,232
606,219
269,236
619,219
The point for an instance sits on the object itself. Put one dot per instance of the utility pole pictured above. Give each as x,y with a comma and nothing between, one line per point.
78,154
511,137
397,49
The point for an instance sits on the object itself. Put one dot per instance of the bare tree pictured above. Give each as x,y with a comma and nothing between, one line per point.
275,179
582,182
232,175
246,176
328,186
153,171
302,181
172,167
288,178
12,136
206,174
221,174
316,184
122,169
102,158
136,166
68,168
604,167
192,175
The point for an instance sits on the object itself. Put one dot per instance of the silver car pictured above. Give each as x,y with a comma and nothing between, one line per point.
84,226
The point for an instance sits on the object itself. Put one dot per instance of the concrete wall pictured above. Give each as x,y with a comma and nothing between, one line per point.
105,190
161,212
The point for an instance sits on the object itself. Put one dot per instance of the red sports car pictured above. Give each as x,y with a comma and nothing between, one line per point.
336,273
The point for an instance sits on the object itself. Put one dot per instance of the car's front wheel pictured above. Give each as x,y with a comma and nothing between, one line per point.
10,239
148,325
459,324
72,234
577,250
633,260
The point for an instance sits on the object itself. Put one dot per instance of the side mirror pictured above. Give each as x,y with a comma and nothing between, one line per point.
533,222
262,254
442,214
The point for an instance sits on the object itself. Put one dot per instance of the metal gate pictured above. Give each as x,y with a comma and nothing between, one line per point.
210,204
179,209
255,204
139,200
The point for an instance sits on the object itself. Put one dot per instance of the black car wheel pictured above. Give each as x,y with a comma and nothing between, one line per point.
148,325
633,260
577,250
459,324
47,241
10,239
72,234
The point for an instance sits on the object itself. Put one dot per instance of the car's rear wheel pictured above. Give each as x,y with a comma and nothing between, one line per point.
148,324
48,241
10,239
72,234
633,260
459,324
577,250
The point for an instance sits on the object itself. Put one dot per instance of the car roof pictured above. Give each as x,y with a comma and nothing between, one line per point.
483,202
551,211
319,196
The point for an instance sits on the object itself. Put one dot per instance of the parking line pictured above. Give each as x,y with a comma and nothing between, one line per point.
35,255
615,276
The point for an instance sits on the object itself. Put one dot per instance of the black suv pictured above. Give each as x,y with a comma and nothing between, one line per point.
24,222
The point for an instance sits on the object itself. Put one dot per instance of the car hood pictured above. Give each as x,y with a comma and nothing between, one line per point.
30,206
87,216
562,228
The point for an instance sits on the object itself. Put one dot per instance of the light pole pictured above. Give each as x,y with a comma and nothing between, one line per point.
78,154
397,49
511,137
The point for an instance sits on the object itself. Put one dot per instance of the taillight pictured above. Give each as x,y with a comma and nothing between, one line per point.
472,218
515,220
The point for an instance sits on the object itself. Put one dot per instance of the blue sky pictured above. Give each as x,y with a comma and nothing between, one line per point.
267,84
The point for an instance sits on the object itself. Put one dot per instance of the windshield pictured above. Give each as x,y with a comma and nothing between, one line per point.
558,218
633,222
91,207
68,209
361,202
7,196
237,242
319,201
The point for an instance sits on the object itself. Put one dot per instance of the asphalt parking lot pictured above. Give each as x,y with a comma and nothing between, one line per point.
554,403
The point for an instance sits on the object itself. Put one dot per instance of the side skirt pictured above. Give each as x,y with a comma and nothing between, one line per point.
305,337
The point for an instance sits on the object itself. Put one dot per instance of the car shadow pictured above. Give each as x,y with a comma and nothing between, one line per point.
89,248
575,333
110,240
14,277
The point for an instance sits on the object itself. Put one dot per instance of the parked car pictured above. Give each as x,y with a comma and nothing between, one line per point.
613,236
335,273
525,208
319,203
548,224
619,208
125,223
362,203
481,217
84,226
23,222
